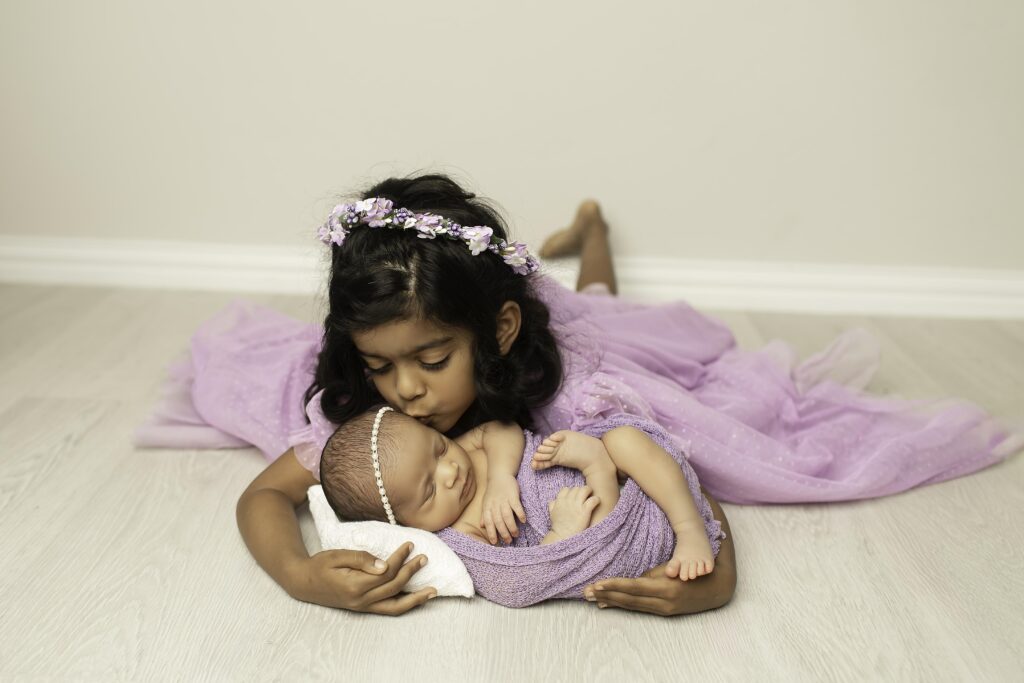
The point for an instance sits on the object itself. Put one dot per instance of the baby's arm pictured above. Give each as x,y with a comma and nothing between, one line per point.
503,444
660,477
570,513
589,456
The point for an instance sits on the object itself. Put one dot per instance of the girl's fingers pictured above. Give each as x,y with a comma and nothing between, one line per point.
395,563
652,588
397,583
400,605
636,603
354,559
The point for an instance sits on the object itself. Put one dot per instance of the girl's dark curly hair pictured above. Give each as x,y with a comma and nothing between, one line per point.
380,276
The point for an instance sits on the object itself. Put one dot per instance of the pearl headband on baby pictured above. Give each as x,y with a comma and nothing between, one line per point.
378,212
376,464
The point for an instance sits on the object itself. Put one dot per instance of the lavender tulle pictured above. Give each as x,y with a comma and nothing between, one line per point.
758,426
634,537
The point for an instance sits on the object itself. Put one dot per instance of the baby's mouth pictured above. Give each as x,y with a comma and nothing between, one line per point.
466,486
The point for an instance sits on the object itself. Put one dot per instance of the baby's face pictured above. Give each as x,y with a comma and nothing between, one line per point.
434,479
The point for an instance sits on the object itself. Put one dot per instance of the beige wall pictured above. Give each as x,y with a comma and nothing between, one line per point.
861,132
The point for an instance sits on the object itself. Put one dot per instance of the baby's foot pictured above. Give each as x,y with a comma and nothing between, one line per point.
692,556
570,449
569,241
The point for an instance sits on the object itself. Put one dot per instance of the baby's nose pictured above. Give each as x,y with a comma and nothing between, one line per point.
454,474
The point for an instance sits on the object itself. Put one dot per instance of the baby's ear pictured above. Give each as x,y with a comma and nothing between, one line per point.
510,319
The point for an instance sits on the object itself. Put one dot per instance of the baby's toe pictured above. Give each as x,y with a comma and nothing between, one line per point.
672,569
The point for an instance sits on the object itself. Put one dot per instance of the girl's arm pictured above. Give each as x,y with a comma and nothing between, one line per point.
335,578
658,594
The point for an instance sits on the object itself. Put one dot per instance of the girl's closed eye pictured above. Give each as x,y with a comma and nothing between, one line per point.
439,365
432,367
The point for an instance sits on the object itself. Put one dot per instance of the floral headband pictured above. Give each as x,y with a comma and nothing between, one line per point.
378,212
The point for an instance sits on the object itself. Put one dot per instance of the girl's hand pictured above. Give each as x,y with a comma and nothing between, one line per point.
571,510
350,580
655,593
501,501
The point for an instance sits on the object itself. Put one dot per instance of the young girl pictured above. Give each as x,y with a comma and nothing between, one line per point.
400,470
456,335
445,332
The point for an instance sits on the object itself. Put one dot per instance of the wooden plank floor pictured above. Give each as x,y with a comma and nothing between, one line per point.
125,564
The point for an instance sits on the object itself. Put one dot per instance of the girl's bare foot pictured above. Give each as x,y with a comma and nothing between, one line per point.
692,556
569,241
570,449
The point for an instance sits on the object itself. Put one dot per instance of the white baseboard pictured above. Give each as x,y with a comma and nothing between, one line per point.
716,285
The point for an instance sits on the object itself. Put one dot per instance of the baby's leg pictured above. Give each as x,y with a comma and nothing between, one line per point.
661,478
588,455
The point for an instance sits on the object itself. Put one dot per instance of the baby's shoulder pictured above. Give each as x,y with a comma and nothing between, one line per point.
496,431
495,434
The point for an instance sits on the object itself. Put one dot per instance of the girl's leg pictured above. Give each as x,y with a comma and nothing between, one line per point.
588,237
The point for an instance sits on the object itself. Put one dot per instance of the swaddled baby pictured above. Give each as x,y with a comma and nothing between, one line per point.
387,466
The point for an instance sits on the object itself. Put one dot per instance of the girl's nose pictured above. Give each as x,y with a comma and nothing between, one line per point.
408,386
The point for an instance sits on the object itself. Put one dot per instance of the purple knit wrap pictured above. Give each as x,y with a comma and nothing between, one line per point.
635,537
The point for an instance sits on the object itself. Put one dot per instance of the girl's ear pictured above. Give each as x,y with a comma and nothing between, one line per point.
510,319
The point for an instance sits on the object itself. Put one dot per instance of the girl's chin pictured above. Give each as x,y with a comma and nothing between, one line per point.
442,423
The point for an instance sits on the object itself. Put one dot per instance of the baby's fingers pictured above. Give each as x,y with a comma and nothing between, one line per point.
511,530
582,492
520,512
502,529
487,524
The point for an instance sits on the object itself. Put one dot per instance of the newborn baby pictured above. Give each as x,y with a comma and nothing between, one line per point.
383,466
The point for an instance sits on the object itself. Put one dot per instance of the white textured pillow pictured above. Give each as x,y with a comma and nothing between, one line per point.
444,570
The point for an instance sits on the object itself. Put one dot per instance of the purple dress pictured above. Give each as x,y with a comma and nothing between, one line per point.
756,426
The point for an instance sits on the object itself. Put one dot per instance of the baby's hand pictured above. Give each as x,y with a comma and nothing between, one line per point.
501,499
571,510
692,556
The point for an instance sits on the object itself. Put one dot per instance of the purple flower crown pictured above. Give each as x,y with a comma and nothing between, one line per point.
378,212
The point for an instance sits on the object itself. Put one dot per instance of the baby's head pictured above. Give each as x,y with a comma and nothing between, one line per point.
428,477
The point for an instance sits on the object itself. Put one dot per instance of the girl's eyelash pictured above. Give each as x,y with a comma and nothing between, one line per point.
432,367
436,366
